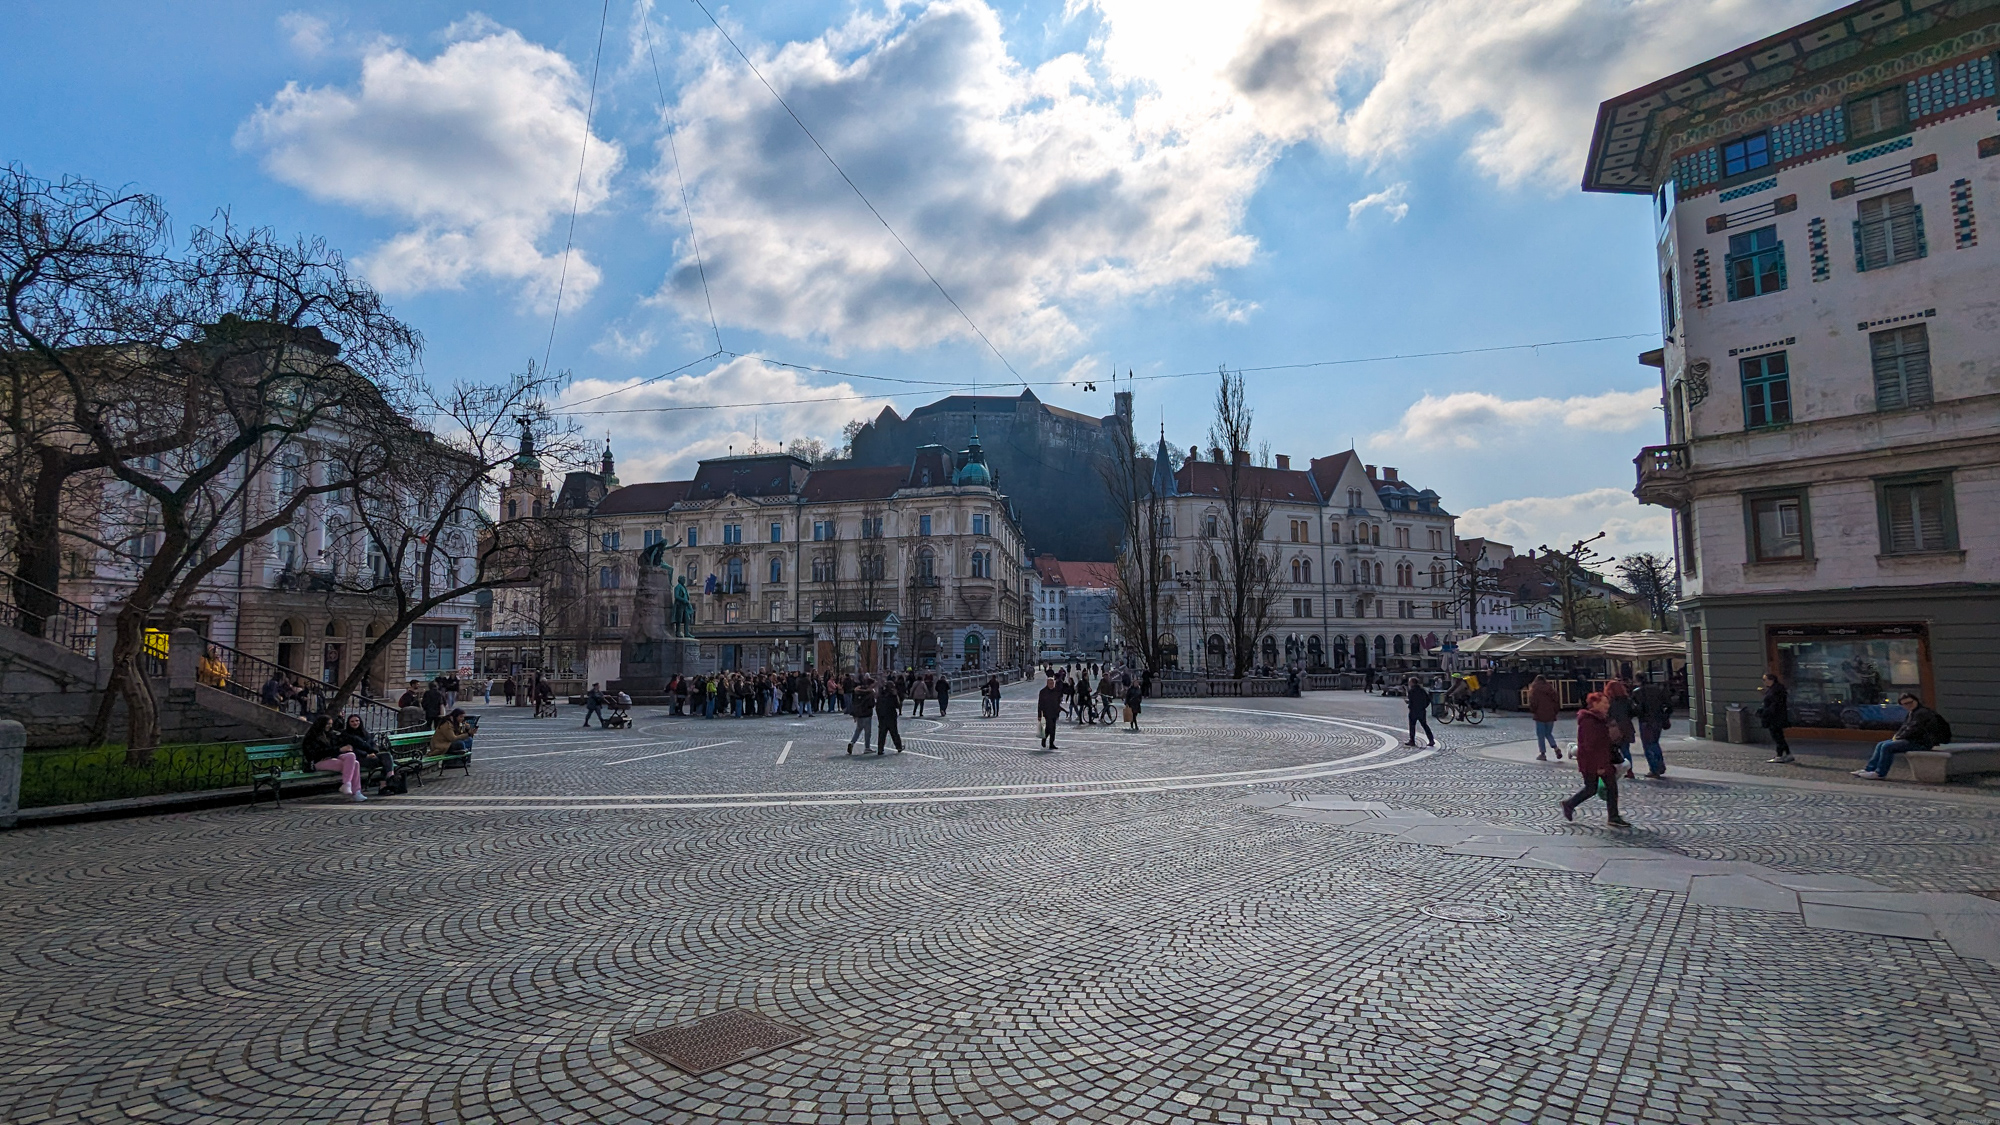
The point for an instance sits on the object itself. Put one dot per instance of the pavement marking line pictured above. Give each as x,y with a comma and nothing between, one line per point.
951,798
785,753
553,753
1239,777
671,753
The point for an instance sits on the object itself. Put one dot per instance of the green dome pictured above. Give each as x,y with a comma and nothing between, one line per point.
974,473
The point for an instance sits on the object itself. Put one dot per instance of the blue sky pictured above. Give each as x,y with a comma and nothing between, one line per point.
1100,183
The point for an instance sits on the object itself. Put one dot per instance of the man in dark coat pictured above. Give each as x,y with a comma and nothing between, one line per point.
1049,705
1775,712
861,708
433,703
1596,760
888,708
1922,729
1419,700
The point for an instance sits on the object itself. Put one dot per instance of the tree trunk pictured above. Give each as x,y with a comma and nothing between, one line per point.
129,684
38,551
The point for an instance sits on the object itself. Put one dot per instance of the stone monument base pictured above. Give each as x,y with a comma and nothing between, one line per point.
649,665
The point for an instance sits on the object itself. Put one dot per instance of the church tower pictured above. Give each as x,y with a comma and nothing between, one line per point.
524,495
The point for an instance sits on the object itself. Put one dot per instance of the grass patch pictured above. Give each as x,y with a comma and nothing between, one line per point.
99,773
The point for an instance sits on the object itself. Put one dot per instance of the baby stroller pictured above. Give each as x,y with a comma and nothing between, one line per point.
620,717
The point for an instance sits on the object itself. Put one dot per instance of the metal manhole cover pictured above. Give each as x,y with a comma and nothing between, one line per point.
1465,912
716,1041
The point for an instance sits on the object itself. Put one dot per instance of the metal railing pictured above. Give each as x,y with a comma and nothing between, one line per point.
66,623
244,676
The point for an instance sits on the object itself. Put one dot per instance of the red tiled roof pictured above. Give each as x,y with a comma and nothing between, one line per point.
872,483
1326,471
1076,575
1206,478
655,496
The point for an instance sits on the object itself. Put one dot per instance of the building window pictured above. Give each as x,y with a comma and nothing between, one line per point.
1767,391
1888,230
731,613
654,535
982,567
433,648
513,509
608,541
979,525
694,537
1916,515
1902,358
1777,527
871,528
923,525
1669,303
1746,154
607,578
732,533
1302,607
777,610
1340,607
1755,264
777,570
1876,115
732,572
1847,677
777,533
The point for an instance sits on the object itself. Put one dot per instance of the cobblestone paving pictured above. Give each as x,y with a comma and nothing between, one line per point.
984,934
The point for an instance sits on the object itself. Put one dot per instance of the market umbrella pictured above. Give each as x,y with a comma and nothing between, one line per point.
1548,646
1648,644
1486,643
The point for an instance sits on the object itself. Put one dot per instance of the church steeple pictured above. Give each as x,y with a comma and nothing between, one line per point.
1164,483
605,467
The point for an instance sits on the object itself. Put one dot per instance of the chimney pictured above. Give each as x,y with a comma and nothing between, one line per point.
1241,457
1370,470
1215,454
1388,473
1284,461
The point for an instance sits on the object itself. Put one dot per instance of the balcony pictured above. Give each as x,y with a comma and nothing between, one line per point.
1663,476
924,581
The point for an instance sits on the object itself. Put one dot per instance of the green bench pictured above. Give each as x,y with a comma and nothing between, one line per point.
273,764
417,743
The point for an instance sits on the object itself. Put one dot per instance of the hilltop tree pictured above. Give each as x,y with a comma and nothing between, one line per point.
1249,574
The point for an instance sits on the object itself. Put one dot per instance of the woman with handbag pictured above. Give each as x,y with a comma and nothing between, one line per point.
1596,760
1620,697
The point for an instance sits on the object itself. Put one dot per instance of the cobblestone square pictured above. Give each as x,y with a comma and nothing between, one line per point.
1256,913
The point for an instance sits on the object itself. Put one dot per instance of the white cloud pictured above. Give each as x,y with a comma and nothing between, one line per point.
616,343
1223,307
1557,521
1032,193
1369,78
309,35
654,444
1390,200
1471,419
477,148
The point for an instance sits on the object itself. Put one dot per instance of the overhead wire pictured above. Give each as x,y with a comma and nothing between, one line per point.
673,148
858,193
576,198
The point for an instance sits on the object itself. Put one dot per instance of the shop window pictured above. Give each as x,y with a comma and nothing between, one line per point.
1767,391
1848,676
433,648
1778,527
1916,515
1902,359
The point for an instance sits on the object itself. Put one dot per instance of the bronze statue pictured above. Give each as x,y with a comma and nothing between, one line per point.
683,619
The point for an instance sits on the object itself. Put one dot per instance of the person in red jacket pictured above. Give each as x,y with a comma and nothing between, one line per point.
1595,759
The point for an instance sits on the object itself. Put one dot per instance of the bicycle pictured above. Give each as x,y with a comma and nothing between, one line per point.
1446,711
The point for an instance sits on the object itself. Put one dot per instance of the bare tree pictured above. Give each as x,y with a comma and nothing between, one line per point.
811,449
1655,582
1144,568
421,524
189,377
1573,590
1469,581
1250,575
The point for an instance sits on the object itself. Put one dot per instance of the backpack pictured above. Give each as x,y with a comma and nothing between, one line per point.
1940,729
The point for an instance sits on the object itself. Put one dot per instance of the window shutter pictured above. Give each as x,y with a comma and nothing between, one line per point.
1860,247
1902,520
1917,228
1779,253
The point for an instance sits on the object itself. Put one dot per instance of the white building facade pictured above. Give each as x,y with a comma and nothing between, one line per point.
1831,359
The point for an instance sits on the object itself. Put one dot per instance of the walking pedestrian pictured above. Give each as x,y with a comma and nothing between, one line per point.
888,705
1655,709
1134,695
1545,707
1622,730
943,695
1419,700
1775,712
1596,760
489,691
919,692
593,704
1049,707
861,708
989,698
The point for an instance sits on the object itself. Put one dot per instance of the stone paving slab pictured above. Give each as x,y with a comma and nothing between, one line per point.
1742,892
968,948
1494,849
1858,920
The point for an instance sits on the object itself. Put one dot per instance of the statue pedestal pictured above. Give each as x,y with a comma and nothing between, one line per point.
648,665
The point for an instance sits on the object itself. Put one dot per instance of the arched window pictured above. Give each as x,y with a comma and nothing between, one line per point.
733,574
777,570
1381,648
1315,657
1214,569
1375,535
538,508
1295,570
1360,651
1378,576
1336,572
926,564
1399,644
1270,650
974,645
513,509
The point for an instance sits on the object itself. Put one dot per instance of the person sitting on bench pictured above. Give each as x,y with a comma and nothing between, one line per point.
1923,729
321,750
453,735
